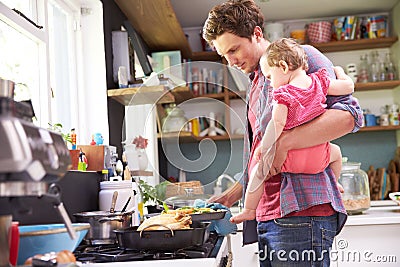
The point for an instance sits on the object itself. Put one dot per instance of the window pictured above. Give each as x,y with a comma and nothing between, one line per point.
55,54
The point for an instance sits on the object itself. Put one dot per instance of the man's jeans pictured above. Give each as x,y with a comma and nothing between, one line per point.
296,241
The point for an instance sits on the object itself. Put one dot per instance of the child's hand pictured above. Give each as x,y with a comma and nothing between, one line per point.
340,74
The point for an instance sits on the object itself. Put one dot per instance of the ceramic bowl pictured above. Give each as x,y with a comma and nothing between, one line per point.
45,238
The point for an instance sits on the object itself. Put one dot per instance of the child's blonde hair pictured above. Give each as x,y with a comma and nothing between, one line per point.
288,50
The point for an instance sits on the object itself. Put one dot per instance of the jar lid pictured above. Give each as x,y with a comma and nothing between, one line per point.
116,184
347,166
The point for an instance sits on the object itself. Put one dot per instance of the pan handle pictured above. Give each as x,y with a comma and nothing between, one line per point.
156,224
110,219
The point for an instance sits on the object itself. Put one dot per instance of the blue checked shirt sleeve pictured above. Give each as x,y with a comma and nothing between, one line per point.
317,60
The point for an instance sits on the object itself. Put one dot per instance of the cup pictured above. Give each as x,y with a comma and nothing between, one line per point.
370,120
384,120
351,70
319,32
274,31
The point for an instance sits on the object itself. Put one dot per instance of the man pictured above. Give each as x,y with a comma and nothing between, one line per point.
298,214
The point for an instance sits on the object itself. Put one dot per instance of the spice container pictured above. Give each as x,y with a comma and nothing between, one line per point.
356,196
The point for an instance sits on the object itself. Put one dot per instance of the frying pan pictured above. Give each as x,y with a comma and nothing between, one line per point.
130,238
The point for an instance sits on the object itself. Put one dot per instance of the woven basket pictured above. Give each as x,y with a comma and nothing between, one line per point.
176,189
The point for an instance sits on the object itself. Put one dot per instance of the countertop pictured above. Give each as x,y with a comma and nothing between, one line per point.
380,212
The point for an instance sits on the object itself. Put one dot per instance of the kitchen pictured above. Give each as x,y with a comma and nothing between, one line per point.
375,140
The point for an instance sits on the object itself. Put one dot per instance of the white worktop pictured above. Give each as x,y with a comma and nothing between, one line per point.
381,212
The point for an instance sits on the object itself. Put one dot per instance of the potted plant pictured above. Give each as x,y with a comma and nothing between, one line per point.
58,127
153,196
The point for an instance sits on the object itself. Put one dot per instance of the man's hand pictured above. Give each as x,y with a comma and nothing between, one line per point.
229,196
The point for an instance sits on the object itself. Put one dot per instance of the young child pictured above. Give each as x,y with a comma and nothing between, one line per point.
299,97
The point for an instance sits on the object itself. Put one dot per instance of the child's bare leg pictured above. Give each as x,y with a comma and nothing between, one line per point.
252,197
336,163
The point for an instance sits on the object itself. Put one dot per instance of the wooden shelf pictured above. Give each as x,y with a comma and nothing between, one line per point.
206,56
157,24
377,85
142,95
379,128
141,173
150,95
188,137
349,45
181,94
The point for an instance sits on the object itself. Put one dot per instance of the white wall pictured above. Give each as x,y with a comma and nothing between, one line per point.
93,114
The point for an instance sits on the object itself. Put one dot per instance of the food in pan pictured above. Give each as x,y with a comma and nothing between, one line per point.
191,210
174,221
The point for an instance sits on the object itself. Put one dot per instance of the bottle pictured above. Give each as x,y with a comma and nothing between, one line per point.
390,70
363,72
104,174
382,72
373,69
73,138
374,73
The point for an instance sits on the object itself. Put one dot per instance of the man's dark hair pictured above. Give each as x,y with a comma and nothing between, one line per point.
238,17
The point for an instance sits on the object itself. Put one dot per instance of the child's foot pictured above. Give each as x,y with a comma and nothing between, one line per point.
245,215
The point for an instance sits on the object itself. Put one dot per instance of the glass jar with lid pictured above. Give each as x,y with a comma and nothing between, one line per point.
175,119
355,183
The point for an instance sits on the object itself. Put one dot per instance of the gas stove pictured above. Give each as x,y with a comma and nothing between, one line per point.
214,252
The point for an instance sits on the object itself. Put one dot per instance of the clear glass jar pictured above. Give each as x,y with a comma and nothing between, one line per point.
175,120
355,183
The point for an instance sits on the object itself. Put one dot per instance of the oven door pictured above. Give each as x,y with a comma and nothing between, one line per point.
224,256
